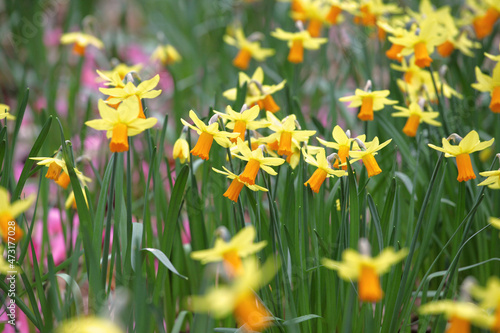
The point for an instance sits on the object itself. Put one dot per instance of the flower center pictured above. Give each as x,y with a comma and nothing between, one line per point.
316,180
464,166
232,263
79,49
250,173
369,285
242,59
371,165
422,58
119,140
366,112
296,54
411,126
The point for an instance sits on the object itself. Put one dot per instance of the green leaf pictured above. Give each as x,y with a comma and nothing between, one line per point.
164,260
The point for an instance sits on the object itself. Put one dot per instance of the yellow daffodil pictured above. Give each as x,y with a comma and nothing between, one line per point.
490,84
297,42
367,155
113,80
71,201
483,24
315,13
460,314
493,180
489,298
234,190
9,229
231,252
181,147
257,92
285,132
89,324
334,14
122,70
369,101
239,122
166,54
361,267
248,48
415,116
80,41
121,123
421,42
255,161
207,135
370,10
342,144
323,169
143,90
396,29
469,144
4,112
58,171
239,298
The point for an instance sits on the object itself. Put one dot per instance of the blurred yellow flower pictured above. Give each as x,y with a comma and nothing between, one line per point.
483,24
9,229
248,48
297,42
342,144
4,112
239,122
80,41
166,54
490,84
234,190
489,298
89,324
369,101
416,116
493,180
323,169
122,70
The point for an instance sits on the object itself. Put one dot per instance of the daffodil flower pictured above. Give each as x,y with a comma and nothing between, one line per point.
121,123
255,161
166,54
490,84
370,10
231,252
111,80
239,297
489,298
469,144
4,112
394,52
323,169
493,180
87,325
334,14
80,41
207,135
285,132
361,267
248,48
181,148
368,156
257,92
369,101
234,190
58,171
483,24
416,116
297,42
122,70
460,314
143,90
9,229
342,144
316,13
239,122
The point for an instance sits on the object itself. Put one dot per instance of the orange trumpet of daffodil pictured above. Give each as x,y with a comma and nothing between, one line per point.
323,169
234,190
285,132
415,116
81,41
490,84
248,48
367,155
342,144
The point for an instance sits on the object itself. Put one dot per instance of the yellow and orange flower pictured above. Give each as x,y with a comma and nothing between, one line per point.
323,169
369,101
285,132
237,184
367,155
342,144
297,42
81,41
242,121
10,231
248,48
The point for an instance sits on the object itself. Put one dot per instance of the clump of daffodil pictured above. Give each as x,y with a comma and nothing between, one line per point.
323,169
234,190
207,135
230,252
81,41
181,147
89,324
4,112
255,161
166,54
298,41
121,123
416,115
368,100
257,93
143,90
491,85
489,298
367,155
9,211
483,24
342,143
242,121
469,144
248,48
421,41
361,267
285,132
239,297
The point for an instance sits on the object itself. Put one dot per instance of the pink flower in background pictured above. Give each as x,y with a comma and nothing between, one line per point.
52,37
21,320
89,75
186,232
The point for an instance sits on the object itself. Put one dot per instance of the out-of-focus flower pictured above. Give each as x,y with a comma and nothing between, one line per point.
323,169
55,164
181,147
166,54
122,70
285,132
469,144
483,24
489,298
248,48
143,90
490,84
242,121
297,42
493,180
207,135
89,324
370,10
315,12
9,229
369,101
4,112
81,41
234,190
367,152
361,267
121,123
231,251
342,144
239,297
415,116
